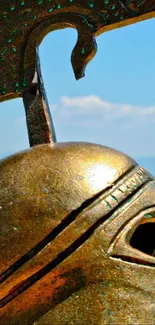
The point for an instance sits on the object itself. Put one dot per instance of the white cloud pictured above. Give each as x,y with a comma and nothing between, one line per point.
92,109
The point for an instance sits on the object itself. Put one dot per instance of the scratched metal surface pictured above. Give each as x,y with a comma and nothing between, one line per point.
23,24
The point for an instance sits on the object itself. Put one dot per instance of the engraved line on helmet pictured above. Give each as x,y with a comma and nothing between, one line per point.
18,289
55,232
120,192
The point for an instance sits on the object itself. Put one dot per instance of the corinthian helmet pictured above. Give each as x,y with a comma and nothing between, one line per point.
77,240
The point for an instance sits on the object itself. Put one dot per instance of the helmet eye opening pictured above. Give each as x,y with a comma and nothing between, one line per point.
143,238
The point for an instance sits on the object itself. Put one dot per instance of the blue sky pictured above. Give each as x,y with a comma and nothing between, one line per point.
113,105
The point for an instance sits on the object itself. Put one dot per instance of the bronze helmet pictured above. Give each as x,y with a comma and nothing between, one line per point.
76,241
77,220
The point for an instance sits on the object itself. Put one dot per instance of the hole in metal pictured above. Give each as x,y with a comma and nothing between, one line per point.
143,238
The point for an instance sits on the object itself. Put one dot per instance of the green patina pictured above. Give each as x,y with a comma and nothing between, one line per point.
19,18
148,215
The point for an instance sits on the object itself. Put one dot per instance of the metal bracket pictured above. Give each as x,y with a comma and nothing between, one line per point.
23,26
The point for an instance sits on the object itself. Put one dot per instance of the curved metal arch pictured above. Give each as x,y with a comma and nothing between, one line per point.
24,24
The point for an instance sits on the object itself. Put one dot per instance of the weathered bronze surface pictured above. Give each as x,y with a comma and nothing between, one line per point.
77,220
23,26
68,213
25,23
